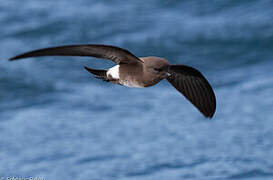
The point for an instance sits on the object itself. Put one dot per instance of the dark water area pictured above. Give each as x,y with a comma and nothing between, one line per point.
57,122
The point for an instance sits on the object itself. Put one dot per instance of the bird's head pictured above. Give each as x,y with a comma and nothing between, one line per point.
157,66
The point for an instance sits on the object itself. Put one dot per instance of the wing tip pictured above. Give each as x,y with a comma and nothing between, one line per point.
211,113
210,116
13,58
18,57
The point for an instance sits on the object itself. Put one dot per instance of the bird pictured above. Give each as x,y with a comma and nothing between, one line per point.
140,72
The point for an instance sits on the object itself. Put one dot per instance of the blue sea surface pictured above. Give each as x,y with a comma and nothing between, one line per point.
58,122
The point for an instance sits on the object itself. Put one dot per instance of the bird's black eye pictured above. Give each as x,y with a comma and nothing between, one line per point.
158,69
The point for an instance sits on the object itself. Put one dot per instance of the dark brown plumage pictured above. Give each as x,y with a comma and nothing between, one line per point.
193,85
115,54
132,71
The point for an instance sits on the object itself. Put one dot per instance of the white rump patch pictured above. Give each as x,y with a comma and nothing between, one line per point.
113,72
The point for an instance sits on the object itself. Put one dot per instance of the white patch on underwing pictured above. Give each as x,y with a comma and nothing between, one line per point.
113,72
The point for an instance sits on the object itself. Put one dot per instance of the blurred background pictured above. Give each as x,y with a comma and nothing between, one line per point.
56,121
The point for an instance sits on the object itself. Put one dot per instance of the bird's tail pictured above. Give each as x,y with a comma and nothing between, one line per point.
98,73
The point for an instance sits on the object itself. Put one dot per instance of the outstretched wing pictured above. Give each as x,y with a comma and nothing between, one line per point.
194,86
115,54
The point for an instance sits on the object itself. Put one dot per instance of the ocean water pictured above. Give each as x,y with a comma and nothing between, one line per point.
57,122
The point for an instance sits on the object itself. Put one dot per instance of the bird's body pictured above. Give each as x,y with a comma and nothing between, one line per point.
129,74
132,71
